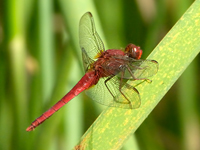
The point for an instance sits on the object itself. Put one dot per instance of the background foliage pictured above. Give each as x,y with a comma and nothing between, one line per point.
40,61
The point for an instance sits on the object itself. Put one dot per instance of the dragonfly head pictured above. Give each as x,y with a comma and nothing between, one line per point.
133,51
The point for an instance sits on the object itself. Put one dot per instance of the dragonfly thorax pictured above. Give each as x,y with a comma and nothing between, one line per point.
110,63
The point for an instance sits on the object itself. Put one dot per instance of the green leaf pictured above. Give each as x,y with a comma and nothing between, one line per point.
174,53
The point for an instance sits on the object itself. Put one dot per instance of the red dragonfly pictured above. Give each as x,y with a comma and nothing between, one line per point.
107,70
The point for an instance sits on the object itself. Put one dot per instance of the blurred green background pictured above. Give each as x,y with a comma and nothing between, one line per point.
40,61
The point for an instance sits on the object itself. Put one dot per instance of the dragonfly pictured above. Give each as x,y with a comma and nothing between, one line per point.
106,72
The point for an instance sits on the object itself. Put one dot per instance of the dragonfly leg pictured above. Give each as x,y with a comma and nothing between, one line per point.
124,100
107,86
134,78
120,87
111,92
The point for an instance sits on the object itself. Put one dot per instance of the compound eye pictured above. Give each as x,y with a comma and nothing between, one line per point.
133,51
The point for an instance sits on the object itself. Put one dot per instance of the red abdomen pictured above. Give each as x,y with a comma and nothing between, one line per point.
86,81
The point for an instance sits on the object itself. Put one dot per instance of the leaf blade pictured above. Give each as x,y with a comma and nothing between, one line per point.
174,53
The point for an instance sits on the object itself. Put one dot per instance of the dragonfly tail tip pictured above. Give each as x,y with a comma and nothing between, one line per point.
30,128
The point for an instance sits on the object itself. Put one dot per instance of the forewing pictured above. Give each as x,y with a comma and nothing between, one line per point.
140,69
128,98
89,40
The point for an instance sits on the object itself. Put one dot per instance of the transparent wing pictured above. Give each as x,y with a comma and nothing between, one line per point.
86,60
140,69
89,40
117,92
127,98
